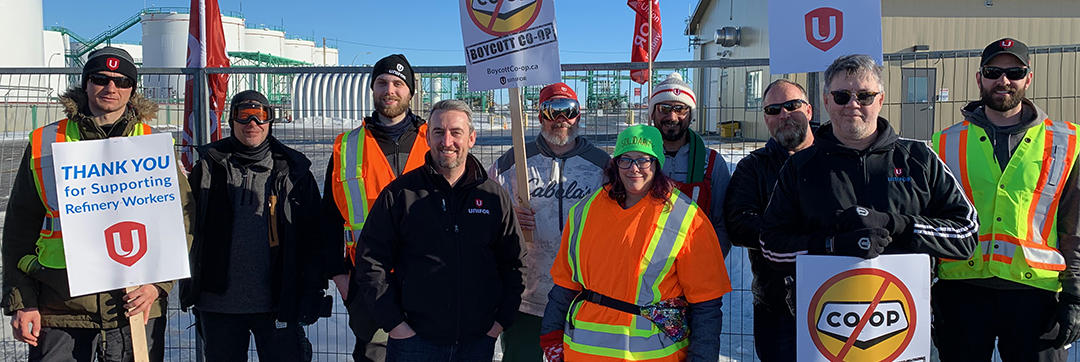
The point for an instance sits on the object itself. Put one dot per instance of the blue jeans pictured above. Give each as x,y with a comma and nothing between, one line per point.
417,349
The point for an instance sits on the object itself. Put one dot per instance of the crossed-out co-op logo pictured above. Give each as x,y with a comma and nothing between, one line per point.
502,17
862,315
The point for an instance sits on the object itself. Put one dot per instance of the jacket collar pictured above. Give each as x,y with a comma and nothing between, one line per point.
221,150
975,112
474,172
77,108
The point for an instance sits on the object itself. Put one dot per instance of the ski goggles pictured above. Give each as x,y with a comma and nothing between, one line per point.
864,98
103,80
554,108
992,72
247,113
679,109
790,106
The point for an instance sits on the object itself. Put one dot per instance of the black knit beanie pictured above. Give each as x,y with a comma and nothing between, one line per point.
110,59
397,65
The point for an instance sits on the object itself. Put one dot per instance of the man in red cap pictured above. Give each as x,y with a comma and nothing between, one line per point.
563,167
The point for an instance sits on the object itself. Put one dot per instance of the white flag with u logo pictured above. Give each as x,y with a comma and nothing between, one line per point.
806,36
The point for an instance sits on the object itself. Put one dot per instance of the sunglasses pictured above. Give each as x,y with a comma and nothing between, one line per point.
864,98
246,113
103,80
552,109
679,109
642,163
1014,73
790,106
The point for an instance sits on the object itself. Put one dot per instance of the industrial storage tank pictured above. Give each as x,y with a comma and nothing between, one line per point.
325,55
164,36
21,24
341,96
55,48
299,49
233,27
264,39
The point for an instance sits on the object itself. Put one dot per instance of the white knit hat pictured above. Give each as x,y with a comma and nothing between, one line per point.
673,88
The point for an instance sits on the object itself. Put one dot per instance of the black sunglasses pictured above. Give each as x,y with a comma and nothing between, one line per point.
1014,73
790,106
642,163
679,109
103,80
864,98
552,109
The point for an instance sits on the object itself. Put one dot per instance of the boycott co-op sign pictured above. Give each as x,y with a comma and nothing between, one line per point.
119,204
850,309
509,43
806,36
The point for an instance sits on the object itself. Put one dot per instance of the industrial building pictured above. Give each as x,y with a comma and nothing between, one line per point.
927,80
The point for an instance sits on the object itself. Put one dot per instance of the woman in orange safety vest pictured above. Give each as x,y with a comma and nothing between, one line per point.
640,273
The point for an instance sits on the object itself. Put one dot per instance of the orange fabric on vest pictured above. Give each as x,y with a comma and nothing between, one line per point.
610,262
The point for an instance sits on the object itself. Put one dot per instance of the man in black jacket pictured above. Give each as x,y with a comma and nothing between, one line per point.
787,115
438,262
255,267
862,191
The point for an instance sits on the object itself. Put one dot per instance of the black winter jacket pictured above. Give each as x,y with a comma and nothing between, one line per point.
744,207
454,253
299,281
899,176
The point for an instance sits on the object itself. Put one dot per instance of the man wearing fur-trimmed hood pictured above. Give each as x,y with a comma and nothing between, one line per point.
35,293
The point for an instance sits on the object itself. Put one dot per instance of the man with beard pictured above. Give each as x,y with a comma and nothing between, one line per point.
699,171
787,115
438,264
390,142
563,167
56,325
860,190
1022,285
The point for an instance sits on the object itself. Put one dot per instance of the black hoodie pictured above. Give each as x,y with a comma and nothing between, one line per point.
899,176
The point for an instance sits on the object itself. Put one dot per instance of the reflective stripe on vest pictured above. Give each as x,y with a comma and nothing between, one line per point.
642,340
357,182
1017,207
50,246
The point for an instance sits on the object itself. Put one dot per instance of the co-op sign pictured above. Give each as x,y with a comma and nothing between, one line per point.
864,314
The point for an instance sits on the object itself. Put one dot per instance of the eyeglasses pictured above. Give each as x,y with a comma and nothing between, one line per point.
1014,73
246,113
864,98
642,163
679,109
103,80
554,108
790,106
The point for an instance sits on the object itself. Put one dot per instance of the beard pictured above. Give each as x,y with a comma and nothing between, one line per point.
1008,102
555,138
448,163
391,111
676,134
791,134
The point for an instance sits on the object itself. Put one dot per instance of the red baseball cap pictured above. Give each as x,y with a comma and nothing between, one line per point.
557,89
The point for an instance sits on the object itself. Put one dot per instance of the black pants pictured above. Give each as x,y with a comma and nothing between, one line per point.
774,333
225,337
967,319
370,340
108,345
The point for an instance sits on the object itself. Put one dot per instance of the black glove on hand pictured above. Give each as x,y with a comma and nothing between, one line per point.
858,217
866,243
1068,317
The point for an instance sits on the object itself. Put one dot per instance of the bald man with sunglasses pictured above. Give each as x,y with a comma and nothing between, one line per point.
1018,166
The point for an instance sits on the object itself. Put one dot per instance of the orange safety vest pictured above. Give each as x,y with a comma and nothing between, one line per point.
50,246
361,172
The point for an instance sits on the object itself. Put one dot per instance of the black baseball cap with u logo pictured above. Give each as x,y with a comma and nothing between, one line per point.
1005,46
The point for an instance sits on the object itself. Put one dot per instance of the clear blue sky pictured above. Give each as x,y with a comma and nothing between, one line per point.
426,31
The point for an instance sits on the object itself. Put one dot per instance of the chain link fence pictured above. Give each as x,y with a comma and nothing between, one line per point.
924,93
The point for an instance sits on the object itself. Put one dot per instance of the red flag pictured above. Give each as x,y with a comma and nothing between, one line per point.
640,50
206,48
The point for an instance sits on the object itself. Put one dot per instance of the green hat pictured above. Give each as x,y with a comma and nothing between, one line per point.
642,138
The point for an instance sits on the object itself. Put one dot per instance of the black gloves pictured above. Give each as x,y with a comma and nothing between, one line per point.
866,243
1068,318
858,217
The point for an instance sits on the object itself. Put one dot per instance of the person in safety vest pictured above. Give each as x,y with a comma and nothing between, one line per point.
1018,166
389,143
563,167
862,191
639,274
439,263
256,269
57,326
787,115
698,171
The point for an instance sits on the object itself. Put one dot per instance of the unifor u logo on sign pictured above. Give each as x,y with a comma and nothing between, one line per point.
126,242
824,27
